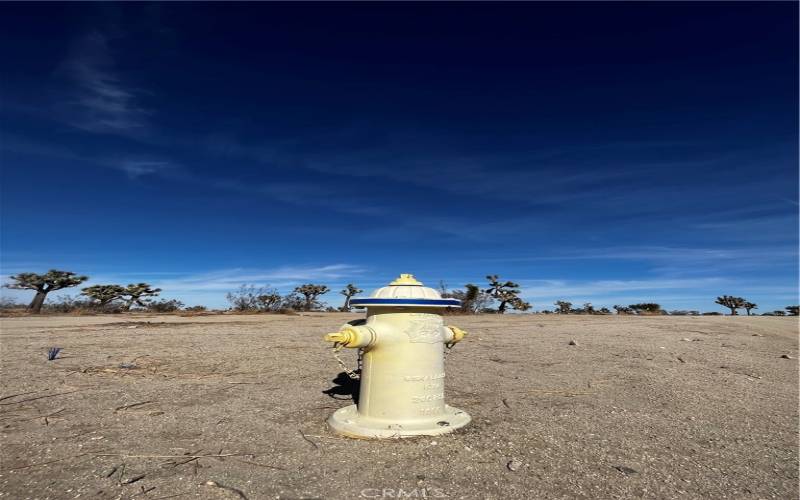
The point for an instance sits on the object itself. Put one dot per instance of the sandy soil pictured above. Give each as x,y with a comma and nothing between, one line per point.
657,407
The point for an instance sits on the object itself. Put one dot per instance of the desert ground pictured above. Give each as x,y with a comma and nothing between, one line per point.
234,406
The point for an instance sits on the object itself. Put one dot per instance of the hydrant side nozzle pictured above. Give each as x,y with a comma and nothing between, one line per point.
352,336
343,337
457,334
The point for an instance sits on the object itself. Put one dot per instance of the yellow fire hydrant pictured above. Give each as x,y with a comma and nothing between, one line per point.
402,374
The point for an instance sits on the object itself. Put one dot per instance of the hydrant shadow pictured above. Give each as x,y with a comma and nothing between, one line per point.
345,386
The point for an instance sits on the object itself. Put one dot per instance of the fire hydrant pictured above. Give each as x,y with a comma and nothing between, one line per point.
402,364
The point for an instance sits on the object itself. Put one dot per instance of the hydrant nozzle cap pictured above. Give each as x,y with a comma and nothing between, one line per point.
406,279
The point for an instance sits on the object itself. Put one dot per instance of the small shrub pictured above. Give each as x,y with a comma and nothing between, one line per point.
66,304
10,303
164,306
52,353
684,313
646,308
196,309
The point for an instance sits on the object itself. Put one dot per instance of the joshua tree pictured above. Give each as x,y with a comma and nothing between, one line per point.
623,310
506,293
103,294
134,293
43,284
647,307
793,310
564,307
310,292
349,291
731,302
749,306
473,299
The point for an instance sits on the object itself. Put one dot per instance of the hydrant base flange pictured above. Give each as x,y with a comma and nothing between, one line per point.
347,421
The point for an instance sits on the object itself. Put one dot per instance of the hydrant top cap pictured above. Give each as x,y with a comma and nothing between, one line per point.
406,279
405,291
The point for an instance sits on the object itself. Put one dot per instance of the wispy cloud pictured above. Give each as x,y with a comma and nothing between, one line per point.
280,277
139,168
102,102
133,166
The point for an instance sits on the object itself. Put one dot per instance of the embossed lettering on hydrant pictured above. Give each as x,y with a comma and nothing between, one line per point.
426,328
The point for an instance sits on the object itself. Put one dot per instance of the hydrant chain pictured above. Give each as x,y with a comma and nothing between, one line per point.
350,373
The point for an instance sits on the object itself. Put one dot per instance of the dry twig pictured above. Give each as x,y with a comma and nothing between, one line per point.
133,405
171,456
40,397
315,445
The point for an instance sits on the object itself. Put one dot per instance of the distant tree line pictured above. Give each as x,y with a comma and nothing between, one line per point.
496,297
100,298
249,298
650,308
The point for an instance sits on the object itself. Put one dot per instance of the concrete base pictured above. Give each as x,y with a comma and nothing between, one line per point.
348,422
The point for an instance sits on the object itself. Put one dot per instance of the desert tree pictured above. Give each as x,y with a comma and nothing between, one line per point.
588,308
507,294
43,284
268,300
135,292
623,310
293,301
731,302
778,313
646,308
349,291
793,310
749,306
605,310
473,299
244,298
563,306
310,293
103,294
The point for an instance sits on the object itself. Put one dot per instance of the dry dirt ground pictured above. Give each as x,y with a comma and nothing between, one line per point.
148,406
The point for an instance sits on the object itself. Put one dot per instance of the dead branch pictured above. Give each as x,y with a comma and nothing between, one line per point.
40,397
19,394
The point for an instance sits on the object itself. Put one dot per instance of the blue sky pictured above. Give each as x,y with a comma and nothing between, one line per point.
610,153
